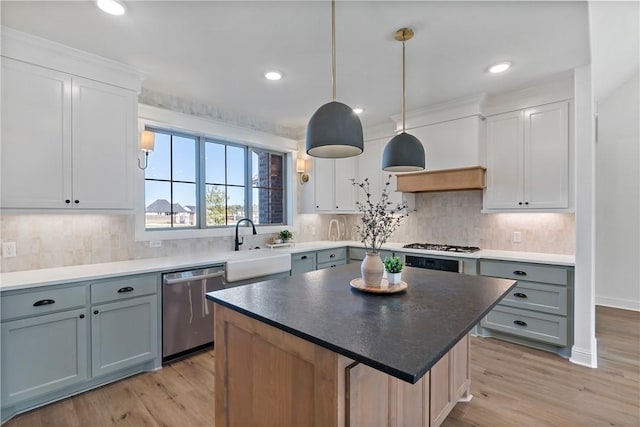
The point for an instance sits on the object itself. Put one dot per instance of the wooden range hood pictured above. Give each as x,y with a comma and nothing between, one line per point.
442,180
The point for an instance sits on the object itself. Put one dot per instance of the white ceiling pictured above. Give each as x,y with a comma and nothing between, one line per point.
216,52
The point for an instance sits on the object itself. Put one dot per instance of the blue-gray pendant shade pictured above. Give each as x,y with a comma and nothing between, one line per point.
404,153
334,131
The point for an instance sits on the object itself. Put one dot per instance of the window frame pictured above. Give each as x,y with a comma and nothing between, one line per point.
201,183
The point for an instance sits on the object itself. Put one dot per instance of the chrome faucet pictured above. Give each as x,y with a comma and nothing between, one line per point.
239,242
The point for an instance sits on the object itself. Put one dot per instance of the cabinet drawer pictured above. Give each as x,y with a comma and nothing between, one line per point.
330,255
536,296
303,262
537,326
125,287
332,264
43,301
525,271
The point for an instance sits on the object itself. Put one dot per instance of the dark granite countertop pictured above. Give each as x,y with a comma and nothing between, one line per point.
401,334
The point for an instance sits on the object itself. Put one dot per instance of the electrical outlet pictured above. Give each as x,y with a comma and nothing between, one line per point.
516,237
9,249
155,243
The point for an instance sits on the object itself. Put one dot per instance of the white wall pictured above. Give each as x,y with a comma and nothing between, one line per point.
618,197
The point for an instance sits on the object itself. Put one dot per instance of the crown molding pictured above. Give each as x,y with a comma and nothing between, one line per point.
443,111
46,53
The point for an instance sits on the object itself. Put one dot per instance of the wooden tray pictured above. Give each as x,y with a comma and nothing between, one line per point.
398,287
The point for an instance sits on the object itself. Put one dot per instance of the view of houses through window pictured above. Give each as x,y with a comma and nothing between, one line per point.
194,182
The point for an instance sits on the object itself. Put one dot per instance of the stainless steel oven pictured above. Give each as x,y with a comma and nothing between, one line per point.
433,263
187,316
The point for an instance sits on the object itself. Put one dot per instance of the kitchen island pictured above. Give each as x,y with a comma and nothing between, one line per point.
310,350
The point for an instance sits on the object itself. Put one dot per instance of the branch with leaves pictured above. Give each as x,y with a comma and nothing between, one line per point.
379,220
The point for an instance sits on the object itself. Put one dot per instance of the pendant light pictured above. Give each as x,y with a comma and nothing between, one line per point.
404,153
334,130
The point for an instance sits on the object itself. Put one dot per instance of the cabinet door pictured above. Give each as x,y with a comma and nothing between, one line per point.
324,184
43,354
505,162
345,192
441,398
36,136
369,165
123,334
303,263
546,157
104,135
368,396
460,369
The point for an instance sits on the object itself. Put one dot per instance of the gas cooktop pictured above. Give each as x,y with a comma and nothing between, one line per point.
441,247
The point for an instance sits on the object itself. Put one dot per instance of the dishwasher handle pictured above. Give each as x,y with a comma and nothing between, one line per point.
192,278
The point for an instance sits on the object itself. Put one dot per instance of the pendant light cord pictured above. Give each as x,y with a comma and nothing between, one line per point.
333,47
404,86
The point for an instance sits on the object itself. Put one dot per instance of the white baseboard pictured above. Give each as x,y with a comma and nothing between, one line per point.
584,357
623,303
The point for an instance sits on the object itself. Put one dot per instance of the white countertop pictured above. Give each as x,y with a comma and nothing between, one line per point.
50,276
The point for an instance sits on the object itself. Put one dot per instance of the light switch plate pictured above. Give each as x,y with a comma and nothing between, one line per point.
9,249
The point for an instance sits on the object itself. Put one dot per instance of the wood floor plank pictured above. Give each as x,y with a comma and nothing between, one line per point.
512,386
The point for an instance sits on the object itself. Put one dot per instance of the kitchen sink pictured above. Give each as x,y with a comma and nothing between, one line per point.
256,263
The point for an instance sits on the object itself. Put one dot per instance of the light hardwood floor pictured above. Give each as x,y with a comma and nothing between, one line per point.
512,386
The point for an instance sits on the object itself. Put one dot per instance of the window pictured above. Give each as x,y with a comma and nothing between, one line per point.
225,179
170,183
189,178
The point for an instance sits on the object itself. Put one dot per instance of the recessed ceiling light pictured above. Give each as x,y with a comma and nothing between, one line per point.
273,75
111,7
500,68
358,110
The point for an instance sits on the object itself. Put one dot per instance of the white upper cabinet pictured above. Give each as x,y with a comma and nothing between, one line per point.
528,158
68,142
330,188
103,124
36,136
370,167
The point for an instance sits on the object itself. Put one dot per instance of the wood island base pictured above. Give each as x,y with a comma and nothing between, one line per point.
265,376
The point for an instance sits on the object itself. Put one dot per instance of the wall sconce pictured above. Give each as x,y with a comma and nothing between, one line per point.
147,141
302,176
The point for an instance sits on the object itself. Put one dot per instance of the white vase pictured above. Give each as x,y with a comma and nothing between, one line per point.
394,278
372,270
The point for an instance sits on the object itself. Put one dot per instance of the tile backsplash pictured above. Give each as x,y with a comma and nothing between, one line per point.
56,240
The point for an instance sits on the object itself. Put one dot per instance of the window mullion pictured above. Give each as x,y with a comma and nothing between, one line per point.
201,204
248,186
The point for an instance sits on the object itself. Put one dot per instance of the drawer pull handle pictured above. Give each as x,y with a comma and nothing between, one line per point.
125,289
43,302
520,273
303,257
333,265
81,316
332,256
520,295
95,312
520,323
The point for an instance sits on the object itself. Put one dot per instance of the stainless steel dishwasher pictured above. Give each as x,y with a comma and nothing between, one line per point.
187,316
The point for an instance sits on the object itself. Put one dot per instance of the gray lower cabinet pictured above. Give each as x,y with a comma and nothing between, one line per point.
43,354
329,258
123,334
60,340
538,311
303,262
